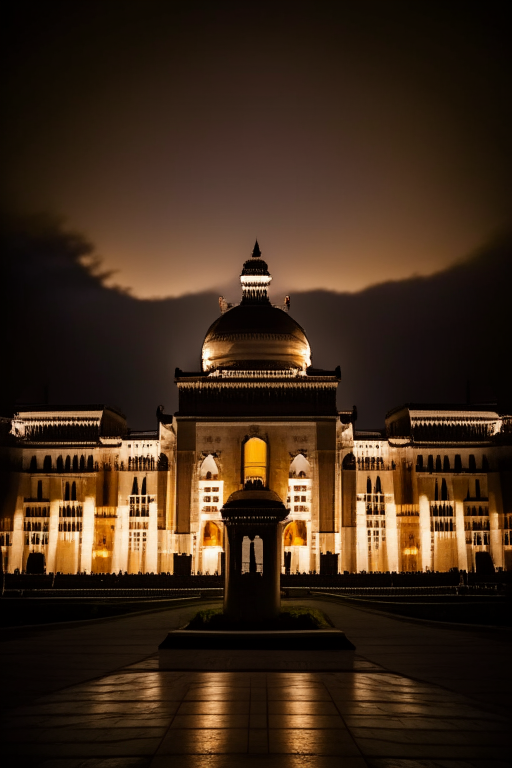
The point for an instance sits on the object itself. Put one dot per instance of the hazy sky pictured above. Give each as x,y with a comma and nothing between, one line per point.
359,141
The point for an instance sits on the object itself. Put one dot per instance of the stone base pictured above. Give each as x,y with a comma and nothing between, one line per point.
180,647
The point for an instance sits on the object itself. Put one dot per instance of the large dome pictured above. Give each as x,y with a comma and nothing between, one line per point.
255,336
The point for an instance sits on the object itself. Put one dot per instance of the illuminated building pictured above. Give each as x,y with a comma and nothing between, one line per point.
430,492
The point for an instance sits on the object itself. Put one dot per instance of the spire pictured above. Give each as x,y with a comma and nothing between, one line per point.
255,279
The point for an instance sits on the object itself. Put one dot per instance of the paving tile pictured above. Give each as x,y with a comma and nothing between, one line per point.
399,763
305,721
256,761
313,742
214,707
228,694
302,707
205,741
230,720
258,741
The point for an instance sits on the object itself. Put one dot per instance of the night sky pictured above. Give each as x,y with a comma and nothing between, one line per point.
366,144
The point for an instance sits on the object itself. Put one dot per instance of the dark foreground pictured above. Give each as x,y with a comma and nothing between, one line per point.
415,696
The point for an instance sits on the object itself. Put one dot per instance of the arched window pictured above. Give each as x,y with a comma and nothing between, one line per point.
33,464
458,463
485,464
90,463
66,492
296,534
300,466
446,464
82,463
60,464
135,487
438,463
472,463
419,463
349,462
378,487
430,463
368,485
255,460
143,489
477,489
436,492
75,463
67,465
47,464
209,469
39,490
212,536
73,491
444,490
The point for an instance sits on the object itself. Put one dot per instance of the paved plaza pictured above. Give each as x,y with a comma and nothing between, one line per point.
413,695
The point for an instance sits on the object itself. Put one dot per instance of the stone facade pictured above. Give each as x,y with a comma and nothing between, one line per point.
429,492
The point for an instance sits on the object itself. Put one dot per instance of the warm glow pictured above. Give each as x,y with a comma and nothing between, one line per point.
296,534
212,536
410,551
255,460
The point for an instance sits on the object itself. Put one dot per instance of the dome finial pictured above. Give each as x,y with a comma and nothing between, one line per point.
256,253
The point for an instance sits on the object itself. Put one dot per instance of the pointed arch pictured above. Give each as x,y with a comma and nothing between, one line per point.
300,466
66,492
212,536
368,485
378,485
143,489
209,465
73,491
444,490
135,487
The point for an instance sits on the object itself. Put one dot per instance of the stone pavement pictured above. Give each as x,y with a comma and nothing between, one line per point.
390,710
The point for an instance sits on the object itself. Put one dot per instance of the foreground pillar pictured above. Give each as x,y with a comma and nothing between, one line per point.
250,595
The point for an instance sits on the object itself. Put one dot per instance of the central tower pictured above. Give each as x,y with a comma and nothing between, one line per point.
256,381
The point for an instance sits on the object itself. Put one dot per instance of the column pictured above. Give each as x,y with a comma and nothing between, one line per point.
425,538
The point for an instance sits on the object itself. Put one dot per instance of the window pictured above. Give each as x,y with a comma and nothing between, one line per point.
472,463
211,535
458,463
444,490
296,534
73,491
33,464
446,464
255,460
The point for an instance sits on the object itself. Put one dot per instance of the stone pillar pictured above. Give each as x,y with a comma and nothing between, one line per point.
361,537
391,537
425,538
87,533
462,556
53,535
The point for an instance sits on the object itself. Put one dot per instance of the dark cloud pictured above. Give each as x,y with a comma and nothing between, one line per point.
413,340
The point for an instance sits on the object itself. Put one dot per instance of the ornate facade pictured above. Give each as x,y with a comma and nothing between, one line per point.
431,491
